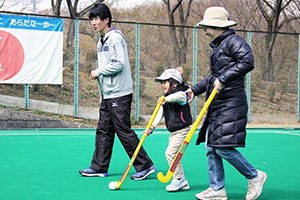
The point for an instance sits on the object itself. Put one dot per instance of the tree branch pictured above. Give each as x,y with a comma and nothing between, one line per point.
71,9
277,14
177,5
87,9
262,10
2,4
188,12
287,3
286,21
167,3
269,5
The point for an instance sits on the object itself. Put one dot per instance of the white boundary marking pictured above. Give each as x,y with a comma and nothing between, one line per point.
286,132
38,133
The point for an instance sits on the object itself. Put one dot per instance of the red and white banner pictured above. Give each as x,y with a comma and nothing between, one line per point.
31,50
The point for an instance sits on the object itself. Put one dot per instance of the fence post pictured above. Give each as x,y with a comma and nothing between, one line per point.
26,95
248,81
194,69
298,116
137,72
76,68
26,86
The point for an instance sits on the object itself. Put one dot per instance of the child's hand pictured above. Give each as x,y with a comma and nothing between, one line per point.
150,131
190,95
162,103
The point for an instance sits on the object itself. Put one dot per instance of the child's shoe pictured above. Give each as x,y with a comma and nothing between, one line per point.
178,184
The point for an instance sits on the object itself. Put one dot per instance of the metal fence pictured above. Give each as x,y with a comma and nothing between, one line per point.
150,51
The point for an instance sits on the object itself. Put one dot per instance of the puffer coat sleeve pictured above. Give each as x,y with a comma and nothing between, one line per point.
230,60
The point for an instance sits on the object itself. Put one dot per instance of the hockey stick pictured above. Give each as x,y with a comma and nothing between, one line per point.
119,183
184,145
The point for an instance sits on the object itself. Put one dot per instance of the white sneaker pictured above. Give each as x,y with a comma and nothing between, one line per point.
255,185
178,184
210,194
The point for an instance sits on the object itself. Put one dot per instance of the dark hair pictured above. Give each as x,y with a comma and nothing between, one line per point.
173,89
102,11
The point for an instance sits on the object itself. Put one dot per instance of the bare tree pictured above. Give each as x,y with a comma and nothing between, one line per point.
2,4
276,15
56,7
179,44
73,11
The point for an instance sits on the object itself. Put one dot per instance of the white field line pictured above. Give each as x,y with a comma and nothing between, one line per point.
38,134
92,133
58,133
279,132
288,133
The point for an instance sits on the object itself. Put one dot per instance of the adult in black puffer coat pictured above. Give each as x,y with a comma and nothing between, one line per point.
224,127
230,60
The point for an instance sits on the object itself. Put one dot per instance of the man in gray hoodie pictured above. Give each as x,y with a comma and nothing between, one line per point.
116,97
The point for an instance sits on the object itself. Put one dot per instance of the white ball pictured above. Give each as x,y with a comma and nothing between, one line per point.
112,185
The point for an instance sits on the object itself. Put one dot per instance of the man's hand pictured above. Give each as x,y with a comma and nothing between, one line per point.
93,74
190,95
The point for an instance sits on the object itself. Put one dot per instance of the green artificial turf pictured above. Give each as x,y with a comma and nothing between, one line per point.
44,164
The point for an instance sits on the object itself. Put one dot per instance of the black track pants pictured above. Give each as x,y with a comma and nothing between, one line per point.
114,117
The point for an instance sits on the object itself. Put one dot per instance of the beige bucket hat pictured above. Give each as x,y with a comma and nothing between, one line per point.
216,17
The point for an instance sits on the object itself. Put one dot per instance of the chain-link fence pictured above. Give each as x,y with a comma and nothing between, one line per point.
150,52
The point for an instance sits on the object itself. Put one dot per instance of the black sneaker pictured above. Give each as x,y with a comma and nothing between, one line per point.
143,174
90,172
